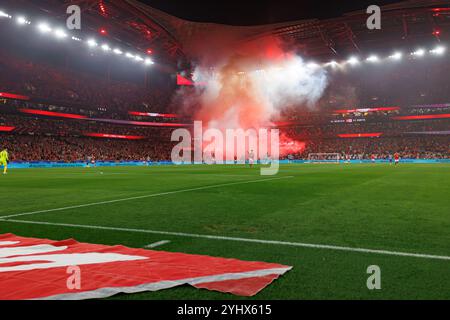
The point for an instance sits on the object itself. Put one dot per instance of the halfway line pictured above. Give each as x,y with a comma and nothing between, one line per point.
142,197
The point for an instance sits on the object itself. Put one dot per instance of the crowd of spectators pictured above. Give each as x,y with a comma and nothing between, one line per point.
412,147
53,139
71,149
386,128
75,127
69,87
409,82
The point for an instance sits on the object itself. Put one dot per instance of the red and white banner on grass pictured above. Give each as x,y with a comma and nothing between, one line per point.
38,269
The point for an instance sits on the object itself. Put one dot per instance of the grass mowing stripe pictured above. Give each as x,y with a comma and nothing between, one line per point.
274,242
141,197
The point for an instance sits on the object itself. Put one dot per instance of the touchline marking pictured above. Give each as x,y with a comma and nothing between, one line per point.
142,197
274,242
157,244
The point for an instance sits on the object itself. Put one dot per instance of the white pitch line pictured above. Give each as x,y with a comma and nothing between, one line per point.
249,240
142,197
157,244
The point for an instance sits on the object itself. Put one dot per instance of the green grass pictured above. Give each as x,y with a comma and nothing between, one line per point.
404,208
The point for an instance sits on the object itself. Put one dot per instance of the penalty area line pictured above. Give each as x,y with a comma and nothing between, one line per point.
142,197
248,240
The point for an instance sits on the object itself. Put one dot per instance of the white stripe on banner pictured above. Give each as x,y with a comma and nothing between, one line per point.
157,244
156,286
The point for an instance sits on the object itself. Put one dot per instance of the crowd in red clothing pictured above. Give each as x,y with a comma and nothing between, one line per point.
387,128
412,147
70,149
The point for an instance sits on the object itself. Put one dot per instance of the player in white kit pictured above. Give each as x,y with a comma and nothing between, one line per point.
251,158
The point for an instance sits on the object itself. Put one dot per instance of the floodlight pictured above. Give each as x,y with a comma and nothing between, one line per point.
419,52
21,20
92,43
332,63
44,28
438,50
353,60
396,56
372,58
59,33
4,15
312,65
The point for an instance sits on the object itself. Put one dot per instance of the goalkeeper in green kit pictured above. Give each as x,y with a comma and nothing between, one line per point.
4,160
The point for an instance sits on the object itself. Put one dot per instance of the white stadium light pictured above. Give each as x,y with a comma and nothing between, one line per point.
92,43
353,60
44,28
396,56
419,52
438,50
4,15
22,20
59,33
332,63
372,58
312,65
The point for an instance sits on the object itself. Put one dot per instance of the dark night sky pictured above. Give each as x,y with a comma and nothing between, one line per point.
253,12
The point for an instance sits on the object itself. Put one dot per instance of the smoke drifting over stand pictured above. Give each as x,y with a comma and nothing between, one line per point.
250,84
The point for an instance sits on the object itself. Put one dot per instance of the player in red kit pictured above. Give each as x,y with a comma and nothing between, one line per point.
396,158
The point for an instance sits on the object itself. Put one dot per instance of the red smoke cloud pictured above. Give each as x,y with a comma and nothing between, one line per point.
249,85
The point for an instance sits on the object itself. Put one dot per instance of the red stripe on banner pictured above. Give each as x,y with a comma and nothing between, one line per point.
422,117
238,287
182,81
158,124
113,136
367,110
150,114
52,114
286,123
13,96
142,123
44,269
6,128
360,135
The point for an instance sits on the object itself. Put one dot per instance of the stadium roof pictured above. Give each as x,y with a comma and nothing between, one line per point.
409,23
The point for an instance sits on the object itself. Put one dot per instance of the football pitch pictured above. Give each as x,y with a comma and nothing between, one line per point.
330,222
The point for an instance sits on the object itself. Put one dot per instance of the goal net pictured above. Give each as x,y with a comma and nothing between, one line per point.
324,157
